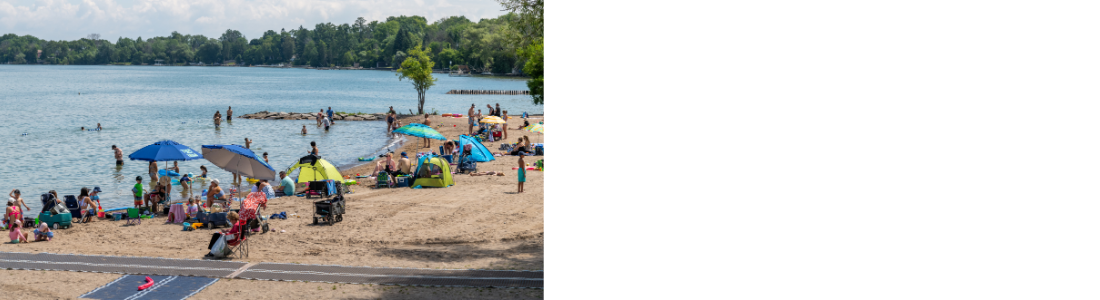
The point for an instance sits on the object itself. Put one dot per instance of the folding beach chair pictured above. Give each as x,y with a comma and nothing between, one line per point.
238,243
383,180
133,217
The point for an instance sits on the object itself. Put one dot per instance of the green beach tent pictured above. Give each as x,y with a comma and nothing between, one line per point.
433,171
313,168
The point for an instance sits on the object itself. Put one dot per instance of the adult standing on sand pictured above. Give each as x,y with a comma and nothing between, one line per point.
389,120
504,132
118,155
229,114
470,115
153,171
490,106
497,110
427,122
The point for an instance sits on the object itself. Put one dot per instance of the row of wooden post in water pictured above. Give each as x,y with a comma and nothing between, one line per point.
487,92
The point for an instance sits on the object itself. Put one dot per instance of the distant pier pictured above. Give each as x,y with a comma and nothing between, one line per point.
488,92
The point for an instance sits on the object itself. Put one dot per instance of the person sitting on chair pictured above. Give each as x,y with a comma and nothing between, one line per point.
233,229
214,193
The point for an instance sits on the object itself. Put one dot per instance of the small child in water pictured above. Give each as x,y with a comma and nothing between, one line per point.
303,129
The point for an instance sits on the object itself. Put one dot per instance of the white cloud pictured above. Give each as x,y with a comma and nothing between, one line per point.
73,19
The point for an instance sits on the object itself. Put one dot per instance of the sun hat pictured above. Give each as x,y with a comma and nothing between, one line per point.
215,181
97,190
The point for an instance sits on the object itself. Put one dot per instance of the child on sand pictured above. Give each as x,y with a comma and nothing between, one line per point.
139,191
16,233
522,173
43,233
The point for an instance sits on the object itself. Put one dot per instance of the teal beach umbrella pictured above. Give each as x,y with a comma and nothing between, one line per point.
420,130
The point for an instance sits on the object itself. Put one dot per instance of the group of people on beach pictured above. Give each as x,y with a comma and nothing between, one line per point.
14,215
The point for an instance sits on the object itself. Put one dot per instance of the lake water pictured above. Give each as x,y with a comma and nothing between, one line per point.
139,105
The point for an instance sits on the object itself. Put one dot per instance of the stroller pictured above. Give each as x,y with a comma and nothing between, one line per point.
252,209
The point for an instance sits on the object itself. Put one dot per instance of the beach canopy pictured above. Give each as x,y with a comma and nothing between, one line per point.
420,130
478,152
313,168
165,150
433,171
239,160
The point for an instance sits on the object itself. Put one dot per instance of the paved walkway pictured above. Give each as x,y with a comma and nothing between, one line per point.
270,271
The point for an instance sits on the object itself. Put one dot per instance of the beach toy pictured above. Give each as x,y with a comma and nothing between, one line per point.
196,225
148,283
366,159
350,182
168,173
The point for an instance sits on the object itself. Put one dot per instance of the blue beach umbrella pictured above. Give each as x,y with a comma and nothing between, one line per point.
420,130
239,160
166,150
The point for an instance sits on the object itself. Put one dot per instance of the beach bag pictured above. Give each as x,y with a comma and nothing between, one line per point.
220,249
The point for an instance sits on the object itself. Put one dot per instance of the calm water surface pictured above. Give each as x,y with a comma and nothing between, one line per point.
138,106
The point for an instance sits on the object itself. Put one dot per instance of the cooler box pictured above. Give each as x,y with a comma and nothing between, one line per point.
403,181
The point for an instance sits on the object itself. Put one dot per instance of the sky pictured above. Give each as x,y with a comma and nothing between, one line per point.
74,19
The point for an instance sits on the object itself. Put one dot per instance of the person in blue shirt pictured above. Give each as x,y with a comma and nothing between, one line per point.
329,112
286,185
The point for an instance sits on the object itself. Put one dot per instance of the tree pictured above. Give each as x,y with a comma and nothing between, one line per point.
418,68
533,68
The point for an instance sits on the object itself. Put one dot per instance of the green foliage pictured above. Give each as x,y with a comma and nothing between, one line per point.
418,68
533,68
485,45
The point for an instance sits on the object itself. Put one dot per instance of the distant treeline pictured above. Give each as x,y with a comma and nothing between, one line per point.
487,45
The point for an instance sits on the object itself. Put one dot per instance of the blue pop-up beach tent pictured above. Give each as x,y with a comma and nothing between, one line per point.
478,152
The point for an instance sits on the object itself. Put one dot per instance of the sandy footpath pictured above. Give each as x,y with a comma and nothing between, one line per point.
478,223
23,284
236,289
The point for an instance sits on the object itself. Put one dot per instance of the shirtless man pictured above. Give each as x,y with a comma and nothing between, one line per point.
427,122
229,114
118,155
404,166
217,119
470,115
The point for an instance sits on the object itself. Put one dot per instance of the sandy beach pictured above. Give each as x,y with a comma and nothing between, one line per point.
480,223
